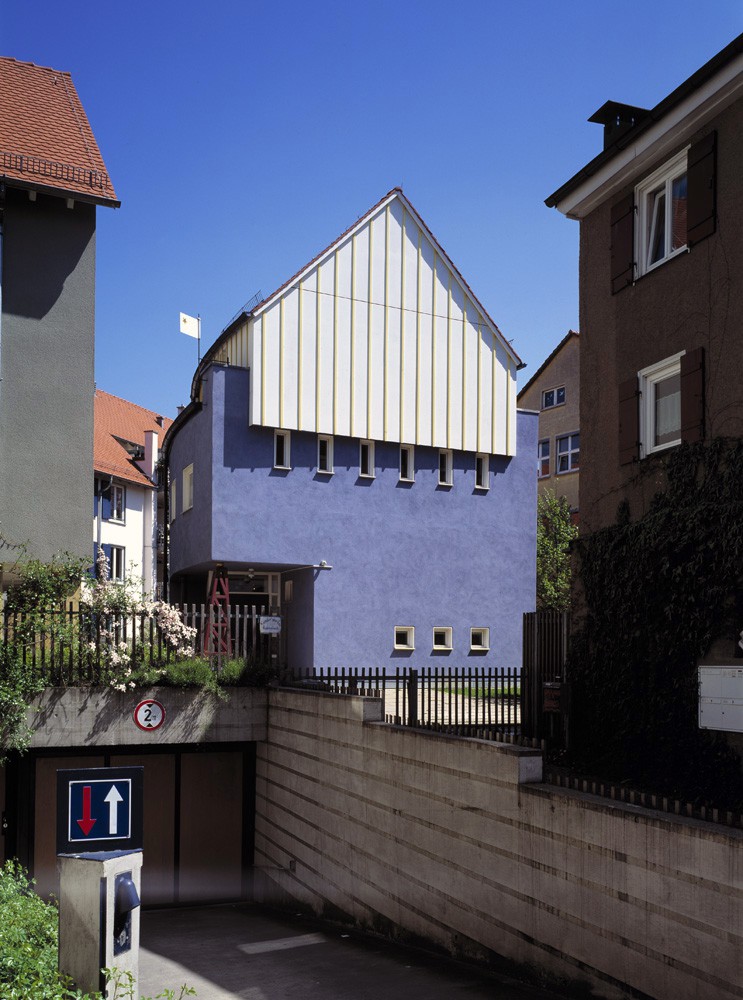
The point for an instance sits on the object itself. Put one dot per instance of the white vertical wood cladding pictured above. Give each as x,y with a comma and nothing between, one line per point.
380,339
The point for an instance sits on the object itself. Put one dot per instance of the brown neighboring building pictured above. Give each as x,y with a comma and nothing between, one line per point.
554,392
661,283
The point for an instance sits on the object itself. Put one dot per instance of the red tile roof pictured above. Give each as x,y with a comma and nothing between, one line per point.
116,418
45,136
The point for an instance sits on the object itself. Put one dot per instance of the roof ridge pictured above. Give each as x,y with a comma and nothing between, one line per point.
121,399
26,62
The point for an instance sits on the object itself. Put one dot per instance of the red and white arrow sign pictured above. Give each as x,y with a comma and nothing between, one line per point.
87,822
113,798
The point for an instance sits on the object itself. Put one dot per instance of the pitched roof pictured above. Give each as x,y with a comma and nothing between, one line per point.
548,360
264,303
117,420
45,137
668,109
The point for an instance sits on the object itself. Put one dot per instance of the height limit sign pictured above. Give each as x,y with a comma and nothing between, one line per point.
99,809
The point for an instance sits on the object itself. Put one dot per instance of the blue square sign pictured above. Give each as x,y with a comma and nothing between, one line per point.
99,809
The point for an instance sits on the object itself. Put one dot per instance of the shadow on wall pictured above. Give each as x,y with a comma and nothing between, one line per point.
42,248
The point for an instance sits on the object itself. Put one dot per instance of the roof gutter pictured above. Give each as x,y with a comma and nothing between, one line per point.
693,102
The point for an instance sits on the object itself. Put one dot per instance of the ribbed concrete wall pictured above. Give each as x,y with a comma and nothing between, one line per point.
455,842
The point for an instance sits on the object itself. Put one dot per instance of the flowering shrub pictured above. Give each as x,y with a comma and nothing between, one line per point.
110,603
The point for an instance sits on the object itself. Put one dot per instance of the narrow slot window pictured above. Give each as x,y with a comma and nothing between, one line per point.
188,487
445,467
482,472
325,454
366,459
407,466
281,450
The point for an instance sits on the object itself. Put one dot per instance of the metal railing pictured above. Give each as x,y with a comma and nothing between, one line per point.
482,700
39,166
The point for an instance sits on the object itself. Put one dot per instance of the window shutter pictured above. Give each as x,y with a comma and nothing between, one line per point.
692,395
701,193
629,422
622,244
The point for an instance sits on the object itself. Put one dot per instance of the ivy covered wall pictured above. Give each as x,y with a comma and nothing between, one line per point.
656,592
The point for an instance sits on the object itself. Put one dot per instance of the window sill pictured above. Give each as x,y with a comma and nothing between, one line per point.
283,468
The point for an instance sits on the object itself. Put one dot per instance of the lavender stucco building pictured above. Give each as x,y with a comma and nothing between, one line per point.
353,458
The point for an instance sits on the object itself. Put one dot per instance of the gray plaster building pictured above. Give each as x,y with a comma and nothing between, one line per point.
52,178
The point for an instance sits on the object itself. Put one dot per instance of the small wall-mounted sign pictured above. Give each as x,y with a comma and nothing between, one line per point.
149,714
270,625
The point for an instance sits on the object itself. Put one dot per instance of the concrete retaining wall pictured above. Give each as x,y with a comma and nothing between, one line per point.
90,717
455,841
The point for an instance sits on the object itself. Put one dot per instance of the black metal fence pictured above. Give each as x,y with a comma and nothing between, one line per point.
72,645
544,687
469,701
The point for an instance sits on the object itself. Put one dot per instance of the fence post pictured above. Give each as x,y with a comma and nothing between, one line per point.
413,698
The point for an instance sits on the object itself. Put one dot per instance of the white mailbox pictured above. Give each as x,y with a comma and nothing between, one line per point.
721,698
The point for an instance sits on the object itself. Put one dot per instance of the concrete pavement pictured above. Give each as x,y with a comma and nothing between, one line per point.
239,952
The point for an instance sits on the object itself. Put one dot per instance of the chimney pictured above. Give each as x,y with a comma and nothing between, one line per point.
617,119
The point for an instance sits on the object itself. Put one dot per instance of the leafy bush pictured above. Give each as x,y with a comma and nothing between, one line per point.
28,942
29,935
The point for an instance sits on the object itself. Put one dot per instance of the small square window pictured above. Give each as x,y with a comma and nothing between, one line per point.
366,459
407,464
543,459
482,472
445,468
325,454
660,405
282,450
118,502
479,639
442,637
188,487
404,637
553,397
568,453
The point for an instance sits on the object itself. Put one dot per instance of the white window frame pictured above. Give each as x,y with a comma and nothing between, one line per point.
326,470
117,488
541,458
173,499
286,437
570,452
447,645
482,471
409,642
410,452
448,457
188,487
117,563
370,472
484,646
648,378
555,390
665,175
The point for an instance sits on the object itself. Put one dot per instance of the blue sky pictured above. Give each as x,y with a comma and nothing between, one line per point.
243,137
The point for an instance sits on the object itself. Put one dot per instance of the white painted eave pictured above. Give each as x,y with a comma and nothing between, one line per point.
657,141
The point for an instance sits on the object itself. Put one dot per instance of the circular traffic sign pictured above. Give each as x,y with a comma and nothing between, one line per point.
149,714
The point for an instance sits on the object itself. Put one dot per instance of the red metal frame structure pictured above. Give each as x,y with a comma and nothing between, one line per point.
217,639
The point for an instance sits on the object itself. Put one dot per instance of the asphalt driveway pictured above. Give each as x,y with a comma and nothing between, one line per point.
239,952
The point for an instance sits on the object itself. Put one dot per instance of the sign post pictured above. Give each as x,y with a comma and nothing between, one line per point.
99,858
